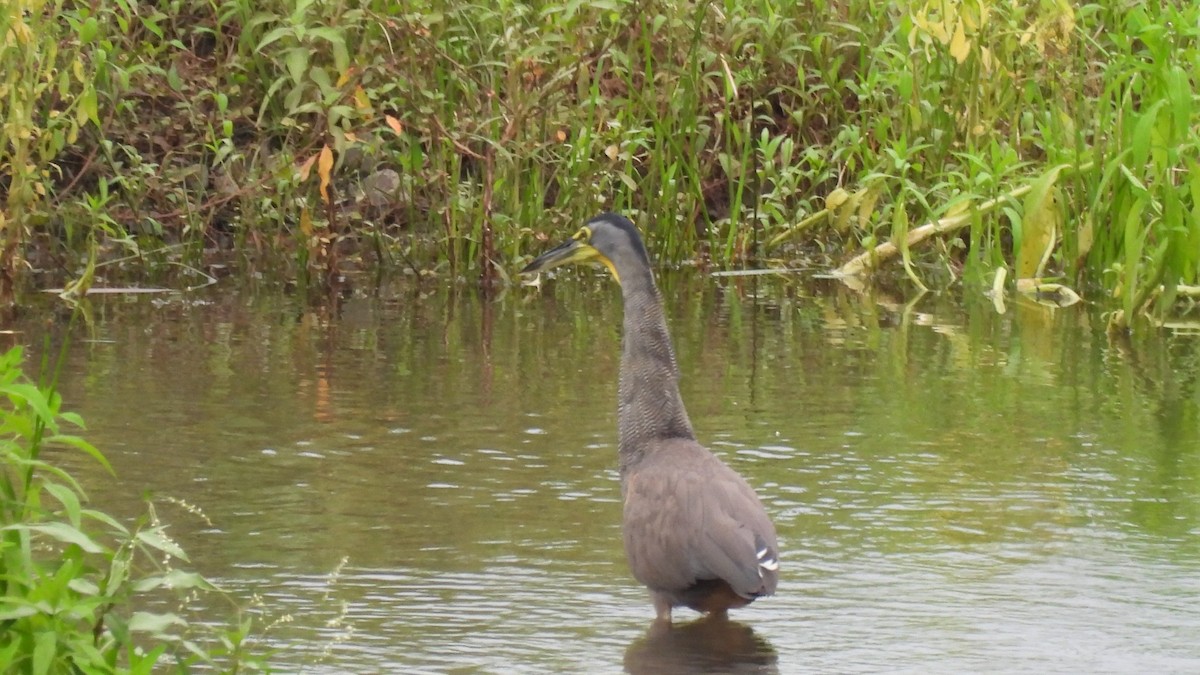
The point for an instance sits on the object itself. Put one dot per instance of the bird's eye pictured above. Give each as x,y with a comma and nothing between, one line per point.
584,234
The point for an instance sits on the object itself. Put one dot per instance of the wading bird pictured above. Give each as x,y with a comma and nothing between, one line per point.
695,532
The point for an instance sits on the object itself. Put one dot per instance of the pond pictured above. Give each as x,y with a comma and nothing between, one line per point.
422,480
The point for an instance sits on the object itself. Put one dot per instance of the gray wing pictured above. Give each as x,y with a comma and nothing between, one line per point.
689,517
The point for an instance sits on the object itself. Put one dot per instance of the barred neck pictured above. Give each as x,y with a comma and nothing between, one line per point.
650,408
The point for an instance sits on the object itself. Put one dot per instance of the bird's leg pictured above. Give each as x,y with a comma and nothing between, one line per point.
662,607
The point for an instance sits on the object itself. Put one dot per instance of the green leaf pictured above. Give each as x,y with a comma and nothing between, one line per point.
10,610
72,418
64,533
80,444
9,654
341,57
318,75
32,397
44,646
156,539
297,63
174,579
273,36
260,19
108,520
88,30
144,665
149,622
629,182
88,107
1140,145
69,500
1180,92
83,586
118,572
1138,185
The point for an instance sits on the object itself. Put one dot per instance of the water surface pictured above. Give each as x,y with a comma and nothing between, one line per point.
424,481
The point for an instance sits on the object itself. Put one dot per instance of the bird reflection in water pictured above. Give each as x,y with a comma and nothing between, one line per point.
713,644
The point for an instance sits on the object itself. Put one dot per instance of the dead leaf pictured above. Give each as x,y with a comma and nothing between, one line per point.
306,167
324,168
394,124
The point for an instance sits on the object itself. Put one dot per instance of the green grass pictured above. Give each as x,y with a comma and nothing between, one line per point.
743,133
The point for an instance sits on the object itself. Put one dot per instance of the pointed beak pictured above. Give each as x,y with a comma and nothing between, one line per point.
570,251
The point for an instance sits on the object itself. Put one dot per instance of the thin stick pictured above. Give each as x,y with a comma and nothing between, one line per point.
869,260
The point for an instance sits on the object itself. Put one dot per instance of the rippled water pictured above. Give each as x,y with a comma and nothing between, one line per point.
425,482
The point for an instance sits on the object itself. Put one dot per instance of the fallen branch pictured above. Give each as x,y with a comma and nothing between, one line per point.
869,260
798,227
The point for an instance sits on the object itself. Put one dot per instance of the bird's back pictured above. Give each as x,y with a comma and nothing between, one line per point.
695,532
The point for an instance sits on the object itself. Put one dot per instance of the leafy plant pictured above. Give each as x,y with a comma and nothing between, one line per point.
454,134
82,591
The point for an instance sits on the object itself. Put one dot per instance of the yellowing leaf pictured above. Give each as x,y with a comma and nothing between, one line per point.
394,124
87,110
836,198
21,31
1039,225
561,136
306,224
957,207
1051,295
1085,237
612,151
960,48
361,101
324,169
941,31
866,206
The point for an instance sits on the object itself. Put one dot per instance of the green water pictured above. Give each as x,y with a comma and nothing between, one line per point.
424,481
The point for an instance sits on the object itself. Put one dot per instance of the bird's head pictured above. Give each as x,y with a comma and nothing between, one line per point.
609,239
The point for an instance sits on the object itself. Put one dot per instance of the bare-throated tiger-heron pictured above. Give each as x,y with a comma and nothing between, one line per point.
695,532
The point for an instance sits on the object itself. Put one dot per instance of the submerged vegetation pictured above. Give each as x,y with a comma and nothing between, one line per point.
1055,140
